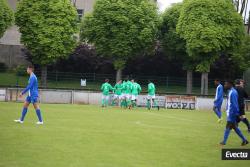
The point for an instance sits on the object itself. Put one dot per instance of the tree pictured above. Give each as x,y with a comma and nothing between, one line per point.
47,28
6,17
173,44
121,29
209,27
85,60
240,6
241,57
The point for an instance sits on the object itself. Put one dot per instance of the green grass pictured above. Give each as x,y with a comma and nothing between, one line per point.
89,136
10,79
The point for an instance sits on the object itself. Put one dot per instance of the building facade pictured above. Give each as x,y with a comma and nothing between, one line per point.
10,45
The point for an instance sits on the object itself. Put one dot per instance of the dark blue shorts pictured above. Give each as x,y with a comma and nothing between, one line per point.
32,100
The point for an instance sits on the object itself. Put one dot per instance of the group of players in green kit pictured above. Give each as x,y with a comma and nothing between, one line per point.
125,94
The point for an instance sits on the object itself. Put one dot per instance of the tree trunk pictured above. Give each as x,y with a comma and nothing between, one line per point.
118,75
204,83
248,27
189,81
44,77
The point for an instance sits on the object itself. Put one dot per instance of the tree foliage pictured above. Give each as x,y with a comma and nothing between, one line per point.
174,46
85,60
242,56
6,17
209,27
47,28
121,29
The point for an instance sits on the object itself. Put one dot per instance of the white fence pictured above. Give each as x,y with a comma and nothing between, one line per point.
94,98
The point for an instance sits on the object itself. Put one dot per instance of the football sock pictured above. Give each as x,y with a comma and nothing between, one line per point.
128,103
38,113
155,104
226,134
135,103
245,120
148,104
237,130
218,113
113,102
24,113
122,103
103,102
106,102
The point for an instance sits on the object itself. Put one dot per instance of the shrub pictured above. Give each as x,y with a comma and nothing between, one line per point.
21,70
3,67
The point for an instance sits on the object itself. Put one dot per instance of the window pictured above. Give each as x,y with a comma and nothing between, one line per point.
80,14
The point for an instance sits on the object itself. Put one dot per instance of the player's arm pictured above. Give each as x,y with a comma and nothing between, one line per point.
114,88
31,83
139,88
219,92
234,105
102,87
149,88
111,88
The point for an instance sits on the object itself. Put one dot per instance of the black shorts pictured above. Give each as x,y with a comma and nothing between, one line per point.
231,125
242,110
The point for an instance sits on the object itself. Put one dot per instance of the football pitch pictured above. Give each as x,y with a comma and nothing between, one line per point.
90,136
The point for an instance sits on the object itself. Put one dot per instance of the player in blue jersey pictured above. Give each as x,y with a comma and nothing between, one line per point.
218,99
32,90
232,114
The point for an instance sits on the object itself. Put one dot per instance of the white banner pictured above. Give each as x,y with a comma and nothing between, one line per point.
2,94
142,100
181,102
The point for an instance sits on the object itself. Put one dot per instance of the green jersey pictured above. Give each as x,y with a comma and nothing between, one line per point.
128,87
118,89
151,89
106,88
124,87
136,89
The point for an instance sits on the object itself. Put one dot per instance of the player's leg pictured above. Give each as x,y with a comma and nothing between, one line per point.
239,133
124,104
103,101
155,103
133,100
38,112
106,100
120,100
25,110
228,129
128,101
148,102
243,117
217,111
246,122
136,102
114,100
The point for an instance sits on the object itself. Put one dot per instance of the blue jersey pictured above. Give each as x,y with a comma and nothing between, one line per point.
218,96
32,86
232,105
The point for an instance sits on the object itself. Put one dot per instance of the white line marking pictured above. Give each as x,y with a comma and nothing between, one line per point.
182,119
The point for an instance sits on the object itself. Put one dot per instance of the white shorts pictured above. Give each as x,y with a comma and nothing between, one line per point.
123,96
117,96
105,97
150,97
128,96
134,97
